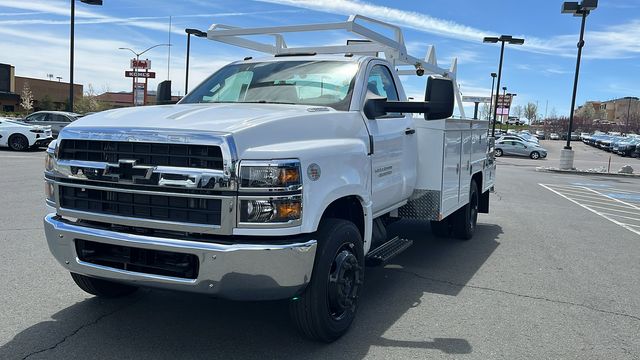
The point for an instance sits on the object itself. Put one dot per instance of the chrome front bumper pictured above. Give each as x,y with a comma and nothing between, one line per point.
240,271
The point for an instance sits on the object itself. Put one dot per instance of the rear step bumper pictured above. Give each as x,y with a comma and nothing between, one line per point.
238,271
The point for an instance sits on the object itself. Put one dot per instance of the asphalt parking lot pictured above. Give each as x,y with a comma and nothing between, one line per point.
553,273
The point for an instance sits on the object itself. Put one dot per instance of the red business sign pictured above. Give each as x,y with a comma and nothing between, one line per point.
140,74
141,64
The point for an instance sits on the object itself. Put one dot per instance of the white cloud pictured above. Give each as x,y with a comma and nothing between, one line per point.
611,43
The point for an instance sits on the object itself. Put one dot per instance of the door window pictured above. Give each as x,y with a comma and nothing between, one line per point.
58,118
37,117
380,82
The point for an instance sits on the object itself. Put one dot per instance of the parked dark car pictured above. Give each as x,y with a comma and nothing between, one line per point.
56,119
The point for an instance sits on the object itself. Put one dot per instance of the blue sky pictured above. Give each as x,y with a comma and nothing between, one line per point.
35,41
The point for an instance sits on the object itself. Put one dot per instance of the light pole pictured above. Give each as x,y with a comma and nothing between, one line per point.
135,70
190,32
493,80
577,9
508,39
71,45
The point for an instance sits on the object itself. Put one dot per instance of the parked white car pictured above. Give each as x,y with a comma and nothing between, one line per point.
20,136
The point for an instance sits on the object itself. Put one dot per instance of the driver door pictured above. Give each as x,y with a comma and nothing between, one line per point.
394,142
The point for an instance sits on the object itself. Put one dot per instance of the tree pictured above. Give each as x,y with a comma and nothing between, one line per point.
485,111
89,102
531,111
517,111
45,103
586,112
26,98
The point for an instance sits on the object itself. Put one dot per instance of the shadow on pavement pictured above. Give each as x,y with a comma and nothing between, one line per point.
159,324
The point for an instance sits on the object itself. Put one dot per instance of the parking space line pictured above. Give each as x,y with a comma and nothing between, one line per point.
618,200
604,203
626,217
631,228
607,208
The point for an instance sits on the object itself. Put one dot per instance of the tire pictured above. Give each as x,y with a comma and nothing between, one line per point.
534,155
102,288
466,218
498,152
441,229
327,307
18,142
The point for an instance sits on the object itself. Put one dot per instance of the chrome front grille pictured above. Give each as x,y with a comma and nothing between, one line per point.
156,180
143,153
155,207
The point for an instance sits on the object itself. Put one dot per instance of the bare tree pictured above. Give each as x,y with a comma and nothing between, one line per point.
485,111
531,112
89,102
26,98
517,111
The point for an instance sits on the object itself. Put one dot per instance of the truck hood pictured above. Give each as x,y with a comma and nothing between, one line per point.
219,117
257,129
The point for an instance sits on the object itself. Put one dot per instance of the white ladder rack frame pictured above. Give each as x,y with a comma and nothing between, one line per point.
394,48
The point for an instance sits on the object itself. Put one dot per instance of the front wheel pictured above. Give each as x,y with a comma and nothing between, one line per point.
327,307
498,152
534,155
18,142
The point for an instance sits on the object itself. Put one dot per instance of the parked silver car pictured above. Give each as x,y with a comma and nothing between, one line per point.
56,119
519,148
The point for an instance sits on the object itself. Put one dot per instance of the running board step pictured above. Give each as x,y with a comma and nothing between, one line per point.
386,251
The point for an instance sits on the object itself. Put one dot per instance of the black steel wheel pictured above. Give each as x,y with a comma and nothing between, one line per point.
327,307
18,142
102,288
466,218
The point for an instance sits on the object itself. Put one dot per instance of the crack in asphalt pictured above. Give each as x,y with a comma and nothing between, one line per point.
83,326
451,283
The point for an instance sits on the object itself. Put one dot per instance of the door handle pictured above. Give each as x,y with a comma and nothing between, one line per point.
409,131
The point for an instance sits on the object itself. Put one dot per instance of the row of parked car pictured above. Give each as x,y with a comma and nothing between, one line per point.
614,142
519,144
35,130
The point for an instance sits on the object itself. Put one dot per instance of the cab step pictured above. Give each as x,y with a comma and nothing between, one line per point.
386,251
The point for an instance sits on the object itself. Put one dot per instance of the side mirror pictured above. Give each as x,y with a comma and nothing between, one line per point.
439,94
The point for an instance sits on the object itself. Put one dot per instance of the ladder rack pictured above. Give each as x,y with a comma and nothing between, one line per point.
394,48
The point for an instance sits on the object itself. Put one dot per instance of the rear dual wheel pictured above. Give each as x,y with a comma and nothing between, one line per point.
462,223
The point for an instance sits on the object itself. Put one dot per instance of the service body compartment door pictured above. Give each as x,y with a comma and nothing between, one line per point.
465,165
451,170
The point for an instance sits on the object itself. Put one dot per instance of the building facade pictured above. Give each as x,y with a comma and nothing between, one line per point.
616,111
47,94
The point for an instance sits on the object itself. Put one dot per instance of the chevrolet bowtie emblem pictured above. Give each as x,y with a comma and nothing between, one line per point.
127,170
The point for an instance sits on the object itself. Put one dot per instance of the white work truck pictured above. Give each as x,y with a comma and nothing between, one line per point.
275,178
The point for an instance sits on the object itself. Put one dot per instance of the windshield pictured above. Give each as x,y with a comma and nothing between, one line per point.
322,83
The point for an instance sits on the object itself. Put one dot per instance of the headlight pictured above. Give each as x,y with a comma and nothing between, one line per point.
37,131
49,161
272,210
283,175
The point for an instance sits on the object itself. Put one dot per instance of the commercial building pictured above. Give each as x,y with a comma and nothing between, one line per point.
124,99
615,111
46,93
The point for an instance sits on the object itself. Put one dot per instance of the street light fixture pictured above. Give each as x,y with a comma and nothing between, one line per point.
190,32
71,45
577,9
137,54
502,39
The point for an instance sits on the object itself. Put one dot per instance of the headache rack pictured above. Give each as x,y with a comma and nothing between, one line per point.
370,42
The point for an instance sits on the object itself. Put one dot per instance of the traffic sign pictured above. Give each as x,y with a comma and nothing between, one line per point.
140,74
